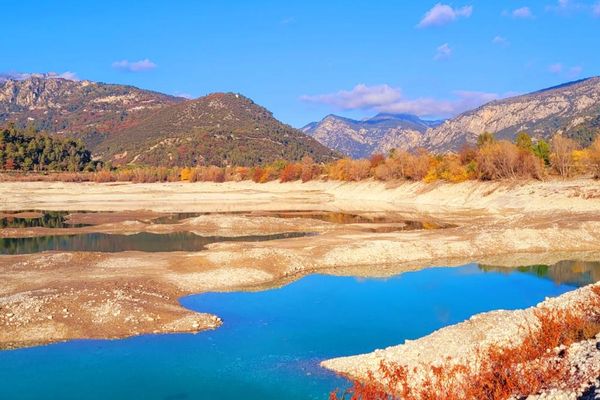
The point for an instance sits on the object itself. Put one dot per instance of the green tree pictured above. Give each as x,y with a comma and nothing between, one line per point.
542,149
523,141
485,138
29,150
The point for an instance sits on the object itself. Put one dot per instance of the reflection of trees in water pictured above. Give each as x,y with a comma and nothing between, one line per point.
48,219
107,243
343,218
577,273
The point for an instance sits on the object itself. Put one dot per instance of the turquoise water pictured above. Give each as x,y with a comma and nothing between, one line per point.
272,341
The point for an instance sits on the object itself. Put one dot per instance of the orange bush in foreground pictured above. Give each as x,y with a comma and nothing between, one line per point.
500,372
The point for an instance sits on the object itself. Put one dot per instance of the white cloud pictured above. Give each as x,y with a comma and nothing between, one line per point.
575,71
384,98
19,76
556,68
443,52
569,72
287,21
569,7
134,66
442,14
71,76
184,95
522,12
500,41
16,76
360,97
565,6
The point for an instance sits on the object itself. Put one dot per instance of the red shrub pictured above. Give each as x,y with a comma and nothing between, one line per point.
290,172
499,372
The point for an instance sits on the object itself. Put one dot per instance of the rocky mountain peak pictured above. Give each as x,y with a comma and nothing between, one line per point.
572,109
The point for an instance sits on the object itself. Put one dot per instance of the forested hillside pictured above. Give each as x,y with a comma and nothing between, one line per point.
27,150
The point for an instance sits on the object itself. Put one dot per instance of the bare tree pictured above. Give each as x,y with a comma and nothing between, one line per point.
561,157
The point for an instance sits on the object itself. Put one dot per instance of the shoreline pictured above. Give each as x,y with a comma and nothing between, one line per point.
461,344
492,222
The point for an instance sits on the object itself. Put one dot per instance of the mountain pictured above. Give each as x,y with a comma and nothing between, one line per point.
221,128
83,109
126,124
379,134
572,109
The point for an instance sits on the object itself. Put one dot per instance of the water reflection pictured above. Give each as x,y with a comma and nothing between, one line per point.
569,272
144,241
47,219
354,218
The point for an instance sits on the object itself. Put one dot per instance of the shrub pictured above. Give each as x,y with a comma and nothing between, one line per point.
103,176
523,141
542,150
485,139
405,165
594,158
257,174
291,172
186,174
310,170
449,169
214,174
383,172
359,170
467,154
504,160
376,160
348,169
498,373
561,157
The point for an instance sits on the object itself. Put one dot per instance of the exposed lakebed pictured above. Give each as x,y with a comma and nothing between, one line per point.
62,236
271,342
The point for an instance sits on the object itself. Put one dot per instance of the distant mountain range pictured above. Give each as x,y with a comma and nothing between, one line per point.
572,109
125,124
362,138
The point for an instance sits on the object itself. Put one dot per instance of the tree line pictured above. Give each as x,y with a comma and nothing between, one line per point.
28,150
489,159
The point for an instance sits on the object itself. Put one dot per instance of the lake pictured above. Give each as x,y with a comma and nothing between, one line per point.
272,341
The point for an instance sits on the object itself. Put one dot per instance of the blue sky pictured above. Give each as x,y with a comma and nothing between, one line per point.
305,59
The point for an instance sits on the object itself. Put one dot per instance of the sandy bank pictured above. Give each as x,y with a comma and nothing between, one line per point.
578,195
122,294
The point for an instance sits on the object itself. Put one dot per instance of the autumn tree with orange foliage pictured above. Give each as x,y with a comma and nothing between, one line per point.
290,172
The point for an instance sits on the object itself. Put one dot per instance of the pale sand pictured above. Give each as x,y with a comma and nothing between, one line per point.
492,197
